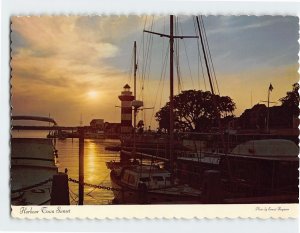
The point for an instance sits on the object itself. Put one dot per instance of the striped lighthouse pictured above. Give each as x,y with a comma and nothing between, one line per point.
126,98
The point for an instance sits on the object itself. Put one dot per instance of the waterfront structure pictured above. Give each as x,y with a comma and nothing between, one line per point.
256,118
97,123
112,128
126,98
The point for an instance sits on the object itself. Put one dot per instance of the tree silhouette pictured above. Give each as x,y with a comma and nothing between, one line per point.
291,100
196,111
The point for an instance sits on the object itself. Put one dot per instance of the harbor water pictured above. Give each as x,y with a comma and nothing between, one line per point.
95,170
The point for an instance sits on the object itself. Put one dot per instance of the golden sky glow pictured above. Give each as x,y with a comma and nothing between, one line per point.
68,65
92,94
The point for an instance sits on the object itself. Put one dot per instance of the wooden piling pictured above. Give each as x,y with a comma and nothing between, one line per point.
212,190
81,166
60,190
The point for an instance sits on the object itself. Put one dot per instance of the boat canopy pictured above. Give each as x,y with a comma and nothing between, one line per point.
32,148
267,147
34,118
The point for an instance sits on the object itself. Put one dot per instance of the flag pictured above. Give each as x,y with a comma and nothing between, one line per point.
271,87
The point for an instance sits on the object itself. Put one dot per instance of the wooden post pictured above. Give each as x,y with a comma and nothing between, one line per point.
72,135
212,189
60,190
81,166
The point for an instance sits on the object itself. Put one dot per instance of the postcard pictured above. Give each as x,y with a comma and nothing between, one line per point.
154,116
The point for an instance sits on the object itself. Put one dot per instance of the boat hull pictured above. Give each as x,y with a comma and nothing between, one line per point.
127,195
32,169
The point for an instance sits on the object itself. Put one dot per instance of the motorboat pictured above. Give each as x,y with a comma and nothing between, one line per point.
150,184
33,165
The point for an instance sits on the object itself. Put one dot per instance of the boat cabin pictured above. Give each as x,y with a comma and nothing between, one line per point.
149,176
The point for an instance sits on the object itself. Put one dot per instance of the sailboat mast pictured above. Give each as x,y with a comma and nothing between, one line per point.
205,56
134,108
135,68
171,128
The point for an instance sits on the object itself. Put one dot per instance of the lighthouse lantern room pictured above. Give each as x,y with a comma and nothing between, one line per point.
126,98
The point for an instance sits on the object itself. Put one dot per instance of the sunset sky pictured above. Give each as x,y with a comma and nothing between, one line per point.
73,65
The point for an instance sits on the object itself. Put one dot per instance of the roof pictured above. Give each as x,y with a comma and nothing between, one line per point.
95,120
126,86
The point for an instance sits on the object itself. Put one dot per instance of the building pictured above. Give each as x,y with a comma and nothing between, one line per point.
257,117
97,124
254,118
112,128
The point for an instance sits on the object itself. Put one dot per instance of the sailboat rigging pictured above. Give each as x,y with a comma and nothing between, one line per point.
143,183
151,183
171,104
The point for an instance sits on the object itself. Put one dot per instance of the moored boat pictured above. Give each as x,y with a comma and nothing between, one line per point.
150,184
256,171
33,166
262,168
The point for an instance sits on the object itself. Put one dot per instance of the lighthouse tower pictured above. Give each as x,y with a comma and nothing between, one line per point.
126,110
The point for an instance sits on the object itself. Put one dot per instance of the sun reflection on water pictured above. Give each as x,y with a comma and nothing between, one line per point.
95,170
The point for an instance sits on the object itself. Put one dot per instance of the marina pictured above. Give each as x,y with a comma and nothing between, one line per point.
95,166
199,153
97,173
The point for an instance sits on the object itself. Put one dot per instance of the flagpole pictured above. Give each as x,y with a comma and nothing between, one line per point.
268,117
268,110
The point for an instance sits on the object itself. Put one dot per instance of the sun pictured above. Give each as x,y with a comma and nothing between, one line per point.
92,94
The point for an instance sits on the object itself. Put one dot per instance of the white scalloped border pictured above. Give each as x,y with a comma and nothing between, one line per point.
242,211
262,211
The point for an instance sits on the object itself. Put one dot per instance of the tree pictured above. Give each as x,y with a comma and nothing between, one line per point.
291,100
196,111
